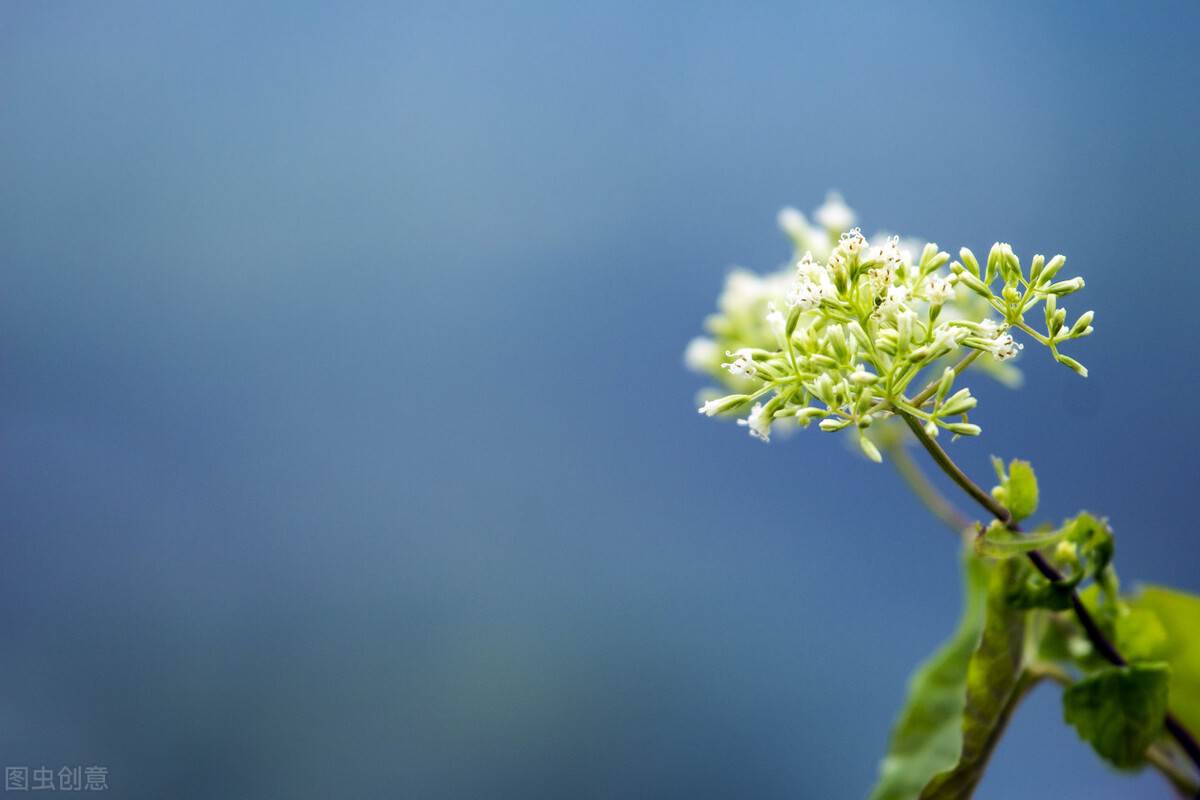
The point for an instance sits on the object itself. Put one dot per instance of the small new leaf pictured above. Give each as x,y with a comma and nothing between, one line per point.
1022,490
1119,711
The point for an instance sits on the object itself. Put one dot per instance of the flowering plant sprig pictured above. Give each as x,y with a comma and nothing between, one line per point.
858,326
855,333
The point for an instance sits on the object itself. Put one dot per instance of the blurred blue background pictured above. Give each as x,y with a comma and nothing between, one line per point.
346,445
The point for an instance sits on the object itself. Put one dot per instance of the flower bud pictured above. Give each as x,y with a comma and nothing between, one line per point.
959,403
1011,266
963,428
1035,268
869,449
830,425
823,389
904,321
1052,268
723,404
1065,287
837,340
792,320
994,261
927,254
1080,369
856,331
945,383
1055,323
1083,323
974,284
968,258
863,378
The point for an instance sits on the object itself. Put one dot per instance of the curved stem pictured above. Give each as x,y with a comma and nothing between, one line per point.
1000,512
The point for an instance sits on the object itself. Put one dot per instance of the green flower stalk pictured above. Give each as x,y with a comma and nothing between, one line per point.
857,332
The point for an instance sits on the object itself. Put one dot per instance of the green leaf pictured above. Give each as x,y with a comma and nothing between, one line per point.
961,699
999,542
1179,615
1141,636
1119,711
996,682
1022,490
927,736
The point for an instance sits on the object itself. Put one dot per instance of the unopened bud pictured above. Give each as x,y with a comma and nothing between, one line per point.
945,383
1036,265
1052,268
869,449
1083,323
968,258
1065,287
959,403
1080,369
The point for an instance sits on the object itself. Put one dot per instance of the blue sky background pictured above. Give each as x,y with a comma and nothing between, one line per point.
346,445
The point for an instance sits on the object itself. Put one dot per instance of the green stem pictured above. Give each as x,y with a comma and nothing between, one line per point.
1096,636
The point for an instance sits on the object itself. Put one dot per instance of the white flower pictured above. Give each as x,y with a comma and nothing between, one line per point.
700,354
810,286
834,214
809,269
711,407
888,253
894,299
758,423
1005,347
993,339
793,223
946,337
742,364
938,290
852,242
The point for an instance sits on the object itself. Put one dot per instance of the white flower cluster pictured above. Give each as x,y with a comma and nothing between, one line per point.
842,334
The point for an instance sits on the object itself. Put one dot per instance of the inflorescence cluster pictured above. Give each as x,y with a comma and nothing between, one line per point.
841,335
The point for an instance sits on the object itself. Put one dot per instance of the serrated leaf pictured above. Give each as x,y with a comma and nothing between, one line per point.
927,736
1119,711
1021,491
996,682
1179,614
